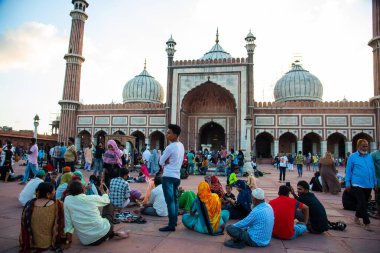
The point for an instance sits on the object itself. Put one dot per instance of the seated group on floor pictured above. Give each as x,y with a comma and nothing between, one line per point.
69,204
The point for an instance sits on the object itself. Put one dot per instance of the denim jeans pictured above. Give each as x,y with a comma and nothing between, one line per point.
299,229
98,166
282,173
170,188
191,168
299,169
29,166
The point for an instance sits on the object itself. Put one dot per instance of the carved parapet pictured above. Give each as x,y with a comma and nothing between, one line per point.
137,105
198,62
315,104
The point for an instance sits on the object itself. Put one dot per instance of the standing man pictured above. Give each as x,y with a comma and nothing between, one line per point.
71,154
360,179
300,160
172,160
191,159
376,160
32,160
88,156
283,163
61,158
146,158
98,166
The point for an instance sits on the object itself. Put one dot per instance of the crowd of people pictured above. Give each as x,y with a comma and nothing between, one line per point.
69,204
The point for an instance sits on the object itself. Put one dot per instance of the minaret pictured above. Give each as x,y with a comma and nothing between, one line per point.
250,46
74,59
375,44
170,50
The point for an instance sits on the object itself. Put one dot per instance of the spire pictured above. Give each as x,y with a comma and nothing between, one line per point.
217,36
145,64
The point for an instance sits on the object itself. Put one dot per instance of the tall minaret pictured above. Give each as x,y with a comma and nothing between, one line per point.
170,50
250,46
375,44
74,59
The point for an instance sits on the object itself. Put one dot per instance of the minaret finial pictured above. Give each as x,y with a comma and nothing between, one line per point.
217,35
145,64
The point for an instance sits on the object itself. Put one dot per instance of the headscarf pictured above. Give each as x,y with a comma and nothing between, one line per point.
251,181
216,186
66,178
78,173
113,157
244,197
212,203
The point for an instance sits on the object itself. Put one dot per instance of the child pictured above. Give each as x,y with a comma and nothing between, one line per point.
140,178
53,178
228,195
204,167
232,178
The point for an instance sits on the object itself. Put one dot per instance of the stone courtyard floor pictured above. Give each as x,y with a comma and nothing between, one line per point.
147,238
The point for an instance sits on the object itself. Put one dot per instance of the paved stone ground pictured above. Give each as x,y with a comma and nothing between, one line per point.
147,238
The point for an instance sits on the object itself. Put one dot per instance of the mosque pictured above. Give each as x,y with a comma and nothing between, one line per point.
212,99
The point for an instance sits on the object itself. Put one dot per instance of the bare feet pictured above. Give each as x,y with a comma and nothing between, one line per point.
137,211
122,234
368,228
357,221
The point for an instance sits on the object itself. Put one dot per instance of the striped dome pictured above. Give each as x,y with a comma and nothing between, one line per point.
298,84
143,88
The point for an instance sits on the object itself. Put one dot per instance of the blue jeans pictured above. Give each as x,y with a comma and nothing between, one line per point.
191,168
299,229
98,166
170,187
299,169
29,166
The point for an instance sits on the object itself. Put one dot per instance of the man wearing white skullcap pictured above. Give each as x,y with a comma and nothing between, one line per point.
255,230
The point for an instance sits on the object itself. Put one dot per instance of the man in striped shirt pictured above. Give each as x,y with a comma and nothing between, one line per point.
255,230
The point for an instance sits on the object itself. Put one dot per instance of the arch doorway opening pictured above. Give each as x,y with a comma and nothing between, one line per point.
140,140
311,144
157,140
212,134
100,138
264,142
288,143
85,139
336,145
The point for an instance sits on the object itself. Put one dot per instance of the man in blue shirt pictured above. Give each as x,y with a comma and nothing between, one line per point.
255,230
360,179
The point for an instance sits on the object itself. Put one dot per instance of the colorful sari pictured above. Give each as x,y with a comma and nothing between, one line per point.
186,199
26,235
216,186
206,215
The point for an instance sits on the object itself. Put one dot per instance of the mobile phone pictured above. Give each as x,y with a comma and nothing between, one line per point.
287,184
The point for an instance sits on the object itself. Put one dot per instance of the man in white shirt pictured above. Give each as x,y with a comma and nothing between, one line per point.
146,158
172,159
156,205
29,191
32,160
283,165
82,215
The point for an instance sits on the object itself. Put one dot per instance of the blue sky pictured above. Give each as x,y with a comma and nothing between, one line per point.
330,35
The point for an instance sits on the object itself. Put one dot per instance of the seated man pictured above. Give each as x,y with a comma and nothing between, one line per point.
317,222
204,167
220,166
255,230
29,191
156,205
284,209
119,190
82,215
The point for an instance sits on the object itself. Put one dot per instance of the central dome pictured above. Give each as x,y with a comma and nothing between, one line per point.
143,88
298,84
216,52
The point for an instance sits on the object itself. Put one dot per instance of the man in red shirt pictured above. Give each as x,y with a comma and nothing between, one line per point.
284,209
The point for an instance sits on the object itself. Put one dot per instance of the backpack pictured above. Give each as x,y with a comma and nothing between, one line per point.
236,160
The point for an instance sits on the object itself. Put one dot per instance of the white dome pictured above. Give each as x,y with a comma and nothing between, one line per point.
298,84
143,88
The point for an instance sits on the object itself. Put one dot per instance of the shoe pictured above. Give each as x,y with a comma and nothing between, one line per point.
368,228
167,229
357,221
234,244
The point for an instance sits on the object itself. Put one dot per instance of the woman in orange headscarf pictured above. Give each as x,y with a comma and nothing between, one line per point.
206,215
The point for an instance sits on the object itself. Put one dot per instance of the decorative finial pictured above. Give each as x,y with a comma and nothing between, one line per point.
145,64
217,35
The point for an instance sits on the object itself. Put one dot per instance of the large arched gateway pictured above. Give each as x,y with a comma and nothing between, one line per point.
208,117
